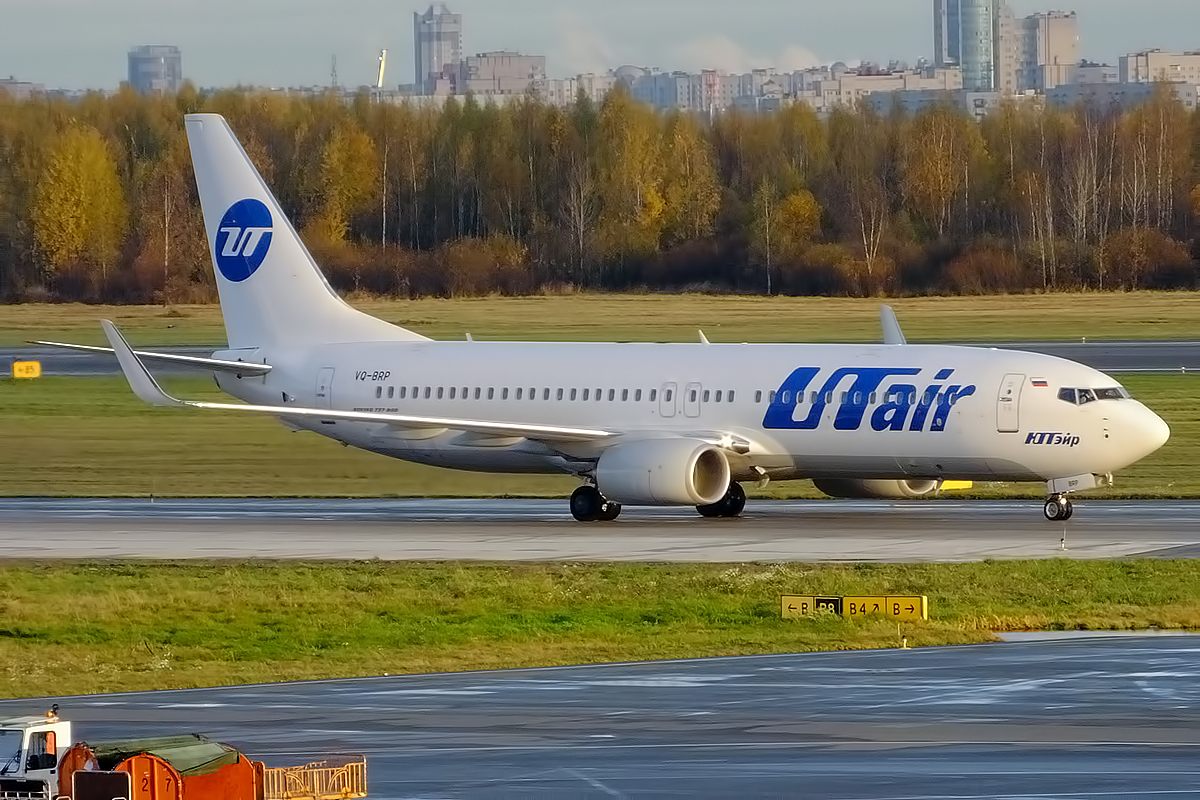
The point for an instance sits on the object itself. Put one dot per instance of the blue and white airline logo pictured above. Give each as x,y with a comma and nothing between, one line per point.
916,406
243,239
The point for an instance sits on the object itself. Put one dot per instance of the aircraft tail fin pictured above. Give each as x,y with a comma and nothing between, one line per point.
271,289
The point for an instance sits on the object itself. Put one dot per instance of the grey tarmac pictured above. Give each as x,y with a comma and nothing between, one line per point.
1107,356
1095,718
542,530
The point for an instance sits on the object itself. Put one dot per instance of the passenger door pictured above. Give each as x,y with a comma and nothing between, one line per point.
1008,404
667,399
325,388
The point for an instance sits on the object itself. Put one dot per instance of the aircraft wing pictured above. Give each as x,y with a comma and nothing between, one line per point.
211,364
147,389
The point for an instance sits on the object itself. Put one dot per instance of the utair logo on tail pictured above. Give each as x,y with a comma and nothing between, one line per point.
243,239
904,406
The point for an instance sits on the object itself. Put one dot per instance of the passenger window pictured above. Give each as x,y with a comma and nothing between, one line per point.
731,395
391,392
872,398
378,392
585,394
452,393
858,398
1067,395
478,392
504,393
491,393
612,395
705,396
519,394
574,393
814,397
845,396
667,395
441,392
464,393
828,397
428,390
533,394
718,397
785,397
545,394
560,394
599,395
624,395
403,391
692,396
637,395
771,396
653,395
758,395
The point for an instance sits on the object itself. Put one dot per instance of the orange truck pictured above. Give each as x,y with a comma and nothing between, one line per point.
37,764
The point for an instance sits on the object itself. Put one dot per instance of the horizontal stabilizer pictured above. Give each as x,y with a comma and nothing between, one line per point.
209,364
147,389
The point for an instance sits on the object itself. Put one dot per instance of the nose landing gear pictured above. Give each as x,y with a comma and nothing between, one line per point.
1058,508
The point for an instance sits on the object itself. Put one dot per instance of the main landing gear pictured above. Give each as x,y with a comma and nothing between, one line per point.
731,505
588,505
1058,508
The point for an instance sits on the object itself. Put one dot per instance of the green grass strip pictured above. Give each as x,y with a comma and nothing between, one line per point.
83,628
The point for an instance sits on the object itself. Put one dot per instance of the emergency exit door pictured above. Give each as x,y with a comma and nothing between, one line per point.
1008,404
325,388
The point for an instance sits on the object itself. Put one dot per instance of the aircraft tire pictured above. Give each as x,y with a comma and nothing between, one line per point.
731,505
1058,509
587,504
611,511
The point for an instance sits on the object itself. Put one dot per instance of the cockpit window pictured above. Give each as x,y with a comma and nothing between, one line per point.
1067,395
1113,393
1086,396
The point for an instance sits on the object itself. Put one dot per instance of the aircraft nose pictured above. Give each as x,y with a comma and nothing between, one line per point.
1149,431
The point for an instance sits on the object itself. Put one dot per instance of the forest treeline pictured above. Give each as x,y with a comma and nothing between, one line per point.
98,201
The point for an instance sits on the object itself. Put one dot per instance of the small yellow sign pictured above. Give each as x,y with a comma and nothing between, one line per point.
951,486
909,608
27,369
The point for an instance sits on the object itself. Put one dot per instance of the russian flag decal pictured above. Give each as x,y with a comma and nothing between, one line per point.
1039,382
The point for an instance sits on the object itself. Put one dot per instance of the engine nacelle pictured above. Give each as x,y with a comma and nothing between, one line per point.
877,490
663,472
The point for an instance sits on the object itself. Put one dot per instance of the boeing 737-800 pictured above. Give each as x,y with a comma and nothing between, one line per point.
638,424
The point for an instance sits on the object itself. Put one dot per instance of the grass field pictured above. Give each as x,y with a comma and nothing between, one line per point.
92,437
109,627
584,317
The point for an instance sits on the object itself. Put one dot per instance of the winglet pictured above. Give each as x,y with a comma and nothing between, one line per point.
891,326
704,339
140,380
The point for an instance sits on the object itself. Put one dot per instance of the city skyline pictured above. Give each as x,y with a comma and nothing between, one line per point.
576,37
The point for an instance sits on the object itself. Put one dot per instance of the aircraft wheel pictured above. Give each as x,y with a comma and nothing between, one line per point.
1058,508
737,500
611,511
587,504
731,505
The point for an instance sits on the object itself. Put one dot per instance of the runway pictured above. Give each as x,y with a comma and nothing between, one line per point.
1107,356
542,530
1096,718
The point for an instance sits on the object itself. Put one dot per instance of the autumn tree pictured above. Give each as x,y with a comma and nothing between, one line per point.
79,212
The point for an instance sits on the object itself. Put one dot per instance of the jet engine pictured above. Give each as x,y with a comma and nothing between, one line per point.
878,490
663,472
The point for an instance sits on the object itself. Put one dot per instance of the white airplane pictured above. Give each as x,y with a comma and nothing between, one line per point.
638,424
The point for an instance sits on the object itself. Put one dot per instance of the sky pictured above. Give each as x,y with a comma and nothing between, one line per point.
76,44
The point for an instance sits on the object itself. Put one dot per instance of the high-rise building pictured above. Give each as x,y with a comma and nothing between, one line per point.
1049,51
155,69
437,37
966,34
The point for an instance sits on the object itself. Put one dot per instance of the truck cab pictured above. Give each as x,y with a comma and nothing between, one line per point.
30,748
